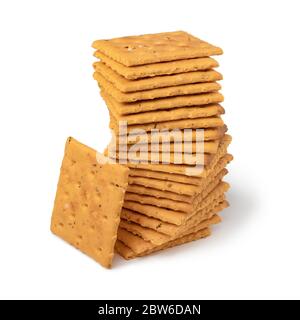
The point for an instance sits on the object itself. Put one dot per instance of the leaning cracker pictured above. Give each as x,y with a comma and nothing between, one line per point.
88,202
128,97
126,85
152,48
162,115
158,69
168,103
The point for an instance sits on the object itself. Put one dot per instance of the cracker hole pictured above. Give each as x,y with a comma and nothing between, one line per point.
105,217
61,224
99,250
100,205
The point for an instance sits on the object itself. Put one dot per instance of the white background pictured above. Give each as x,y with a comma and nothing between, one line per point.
47,93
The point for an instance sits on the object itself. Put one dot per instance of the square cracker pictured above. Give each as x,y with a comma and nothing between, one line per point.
126,85
204,111
88,202
158,69
180,90
152,48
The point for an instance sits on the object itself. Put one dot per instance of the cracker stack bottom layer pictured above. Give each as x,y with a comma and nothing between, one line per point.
157,82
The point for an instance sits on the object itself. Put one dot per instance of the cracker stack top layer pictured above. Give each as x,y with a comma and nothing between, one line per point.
152,48
88,202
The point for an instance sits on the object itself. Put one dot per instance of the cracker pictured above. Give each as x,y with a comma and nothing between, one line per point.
142,247
195,171
177,177
177,136
125,85
127,253
88,202
168,103
196,123
187,147
158,69
174,216
179,158
200,234
163,115
152,48
157,238
128,97
176,205
215,206
174,193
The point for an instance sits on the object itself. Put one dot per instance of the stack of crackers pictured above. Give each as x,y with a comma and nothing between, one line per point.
153,84
160,183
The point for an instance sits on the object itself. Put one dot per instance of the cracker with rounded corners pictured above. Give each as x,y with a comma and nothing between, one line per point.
125,85
88,202
158,47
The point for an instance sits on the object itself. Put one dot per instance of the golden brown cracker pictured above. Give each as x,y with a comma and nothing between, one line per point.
158,69
157,238
171,189
163,115
152,48
175,205
174,216
144,157
178,177
215,206
88,202
196,171
167,103
195,123
125,85
180,90
210,147
177,136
